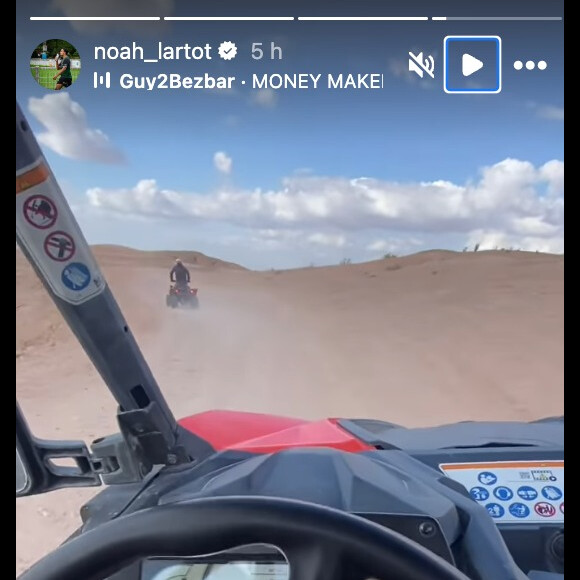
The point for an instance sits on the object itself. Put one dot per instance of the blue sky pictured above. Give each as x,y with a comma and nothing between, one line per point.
292,177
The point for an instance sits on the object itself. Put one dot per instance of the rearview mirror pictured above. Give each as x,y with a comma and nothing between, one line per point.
22,478
36,468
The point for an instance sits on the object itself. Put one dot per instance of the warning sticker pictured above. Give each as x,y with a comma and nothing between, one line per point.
514,491
40,212
48,230
59,246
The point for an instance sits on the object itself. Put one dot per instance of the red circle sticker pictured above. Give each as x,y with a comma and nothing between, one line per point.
59,246
545,509
40,211
562,507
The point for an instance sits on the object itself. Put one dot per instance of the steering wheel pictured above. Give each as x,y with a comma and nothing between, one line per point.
316,540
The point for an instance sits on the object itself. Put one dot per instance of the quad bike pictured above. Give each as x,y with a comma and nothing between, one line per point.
182,295
239,495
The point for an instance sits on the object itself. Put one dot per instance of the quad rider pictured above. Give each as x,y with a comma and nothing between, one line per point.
179,275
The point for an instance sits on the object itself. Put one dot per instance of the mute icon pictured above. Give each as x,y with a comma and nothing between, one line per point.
419,64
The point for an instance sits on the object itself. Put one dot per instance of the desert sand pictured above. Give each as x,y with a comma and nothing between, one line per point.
421,340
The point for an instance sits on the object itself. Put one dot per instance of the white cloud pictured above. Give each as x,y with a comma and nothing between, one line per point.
506,190
392,245
553,174
265,98
551,113
379,246
222,162
292,238
331,240
68,132
286,240
152,201
534,226
512,202
278,235
272,239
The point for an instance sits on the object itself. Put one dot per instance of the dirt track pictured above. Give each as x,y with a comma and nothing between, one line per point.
427,339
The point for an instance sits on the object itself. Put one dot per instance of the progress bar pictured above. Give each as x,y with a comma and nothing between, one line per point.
287,18
225,18
496,18
129,18
353,18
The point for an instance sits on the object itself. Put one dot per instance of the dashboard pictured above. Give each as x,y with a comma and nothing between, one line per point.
448,488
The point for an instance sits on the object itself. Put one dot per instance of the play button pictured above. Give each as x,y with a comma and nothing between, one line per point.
470,64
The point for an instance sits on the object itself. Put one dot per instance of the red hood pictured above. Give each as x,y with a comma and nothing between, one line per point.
261,433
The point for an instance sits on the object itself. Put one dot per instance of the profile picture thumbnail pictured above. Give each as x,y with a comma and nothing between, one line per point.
55,64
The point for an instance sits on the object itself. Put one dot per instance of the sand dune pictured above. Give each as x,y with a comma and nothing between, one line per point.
420,340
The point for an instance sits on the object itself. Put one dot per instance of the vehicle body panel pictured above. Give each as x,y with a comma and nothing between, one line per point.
261,433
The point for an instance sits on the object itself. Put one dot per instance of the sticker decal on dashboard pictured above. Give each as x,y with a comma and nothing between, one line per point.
514,491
